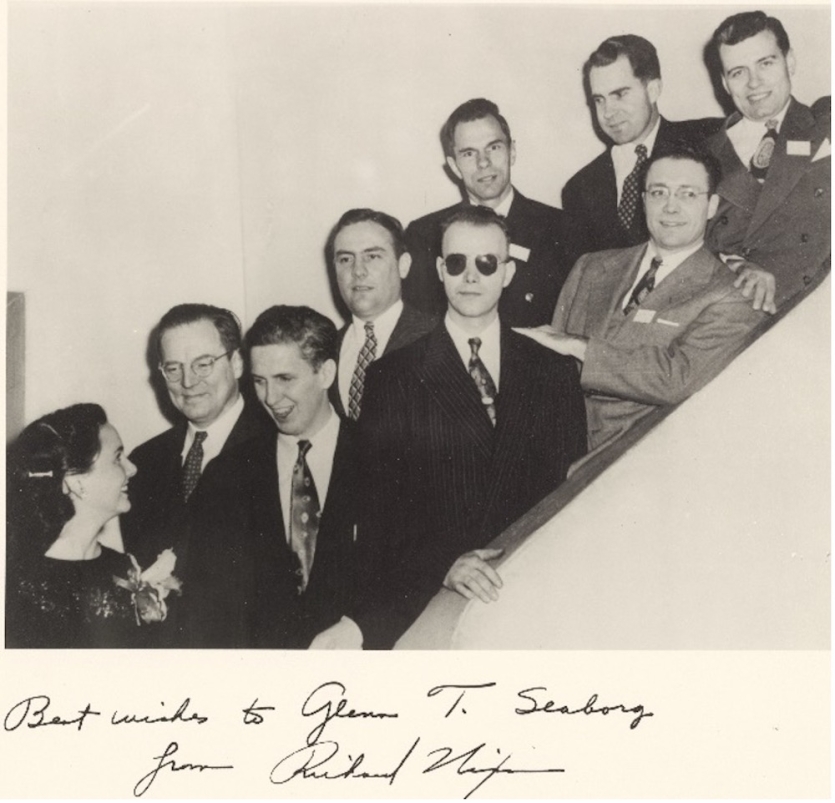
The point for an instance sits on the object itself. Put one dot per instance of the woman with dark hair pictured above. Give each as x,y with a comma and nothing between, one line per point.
67,478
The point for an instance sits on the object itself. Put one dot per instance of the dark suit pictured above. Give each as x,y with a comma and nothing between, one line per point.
697,322
411,325
784,224
440,479
241,588
158,516
590,197
530,297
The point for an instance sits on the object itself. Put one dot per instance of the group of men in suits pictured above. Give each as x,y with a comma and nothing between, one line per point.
383,458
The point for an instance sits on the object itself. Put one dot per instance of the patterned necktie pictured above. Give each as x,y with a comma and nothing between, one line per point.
644,287
761,159
304,515
483,381
629,197
193,465
367,355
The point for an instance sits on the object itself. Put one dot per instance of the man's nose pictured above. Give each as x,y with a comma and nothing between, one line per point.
754,78
272,394
190,379
671,203
482,159
471,274
360,269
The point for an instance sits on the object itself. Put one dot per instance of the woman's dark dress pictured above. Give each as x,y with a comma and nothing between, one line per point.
72,603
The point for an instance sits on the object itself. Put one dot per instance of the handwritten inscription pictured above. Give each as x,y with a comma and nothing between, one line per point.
322,757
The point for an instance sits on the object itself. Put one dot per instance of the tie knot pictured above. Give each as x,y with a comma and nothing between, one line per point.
656,263
304,448
369,329
771,125
475,345
200,436
641,150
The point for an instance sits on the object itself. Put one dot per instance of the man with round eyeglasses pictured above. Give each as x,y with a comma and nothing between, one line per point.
463,431
200,364
653,323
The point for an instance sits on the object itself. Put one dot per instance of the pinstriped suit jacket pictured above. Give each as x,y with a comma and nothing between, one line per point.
440,480
411,325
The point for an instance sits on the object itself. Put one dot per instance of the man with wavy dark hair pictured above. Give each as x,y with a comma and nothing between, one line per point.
480,153
622,80
775,192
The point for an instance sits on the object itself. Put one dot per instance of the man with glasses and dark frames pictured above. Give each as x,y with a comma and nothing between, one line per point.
462,431
200,364
653,323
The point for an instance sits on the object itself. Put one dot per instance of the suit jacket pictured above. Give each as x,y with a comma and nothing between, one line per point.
158,517
698,322
590,197
539,236
241,589
784,224
411,325
440,479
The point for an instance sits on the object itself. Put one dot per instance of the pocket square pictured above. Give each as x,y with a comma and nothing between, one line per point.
824,150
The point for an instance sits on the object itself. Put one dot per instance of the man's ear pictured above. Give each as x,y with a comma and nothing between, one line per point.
512,152
237,363
327,373
404,262
790,62
439,265
509,272
454,167
712,205
654,87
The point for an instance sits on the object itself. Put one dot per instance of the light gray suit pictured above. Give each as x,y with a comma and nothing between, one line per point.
685,331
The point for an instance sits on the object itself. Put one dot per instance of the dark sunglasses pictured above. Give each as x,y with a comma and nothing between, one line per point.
485,263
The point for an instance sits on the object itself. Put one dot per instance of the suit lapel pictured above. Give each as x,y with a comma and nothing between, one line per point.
785,171
445,378
738,186
265,499
607,295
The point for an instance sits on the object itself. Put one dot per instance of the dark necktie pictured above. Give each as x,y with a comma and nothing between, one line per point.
644,287
761,160
193,465
483,381
304,515
367,355
630,195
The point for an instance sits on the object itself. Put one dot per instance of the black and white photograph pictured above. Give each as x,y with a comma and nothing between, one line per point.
431,398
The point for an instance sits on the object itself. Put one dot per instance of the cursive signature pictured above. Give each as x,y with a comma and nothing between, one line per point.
329,701
33,710
144,783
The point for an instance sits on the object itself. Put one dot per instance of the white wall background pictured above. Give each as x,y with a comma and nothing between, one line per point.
161,153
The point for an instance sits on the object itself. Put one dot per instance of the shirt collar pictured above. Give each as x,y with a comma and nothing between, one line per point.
626,153
503,208
327,434
490,349
220,429
672,261
384,324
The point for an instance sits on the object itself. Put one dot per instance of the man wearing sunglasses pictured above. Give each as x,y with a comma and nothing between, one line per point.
463,431
199,365
653,323
479,154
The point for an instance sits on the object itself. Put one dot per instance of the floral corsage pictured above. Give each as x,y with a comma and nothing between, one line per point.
150,588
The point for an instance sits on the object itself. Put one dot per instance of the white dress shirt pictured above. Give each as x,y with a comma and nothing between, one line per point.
669,263
216,433
746,135
354,340
319,460
489,351
624,157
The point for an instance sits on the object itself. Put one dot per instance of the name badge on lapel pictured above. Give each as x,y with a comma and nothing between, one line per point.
644,315
519,252
798,147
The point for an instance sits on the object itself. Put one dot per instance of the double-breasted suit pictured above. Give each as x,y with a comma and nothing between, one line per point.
242,585
539,245
784,224
158,517
411,325
684,332
590,197
439,479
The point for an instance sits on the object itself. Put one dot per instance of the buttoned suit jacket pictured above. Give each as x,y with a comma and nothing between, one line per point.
411,325
440,480
783,225
590,197
542,254
242,587
696,321
158,517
